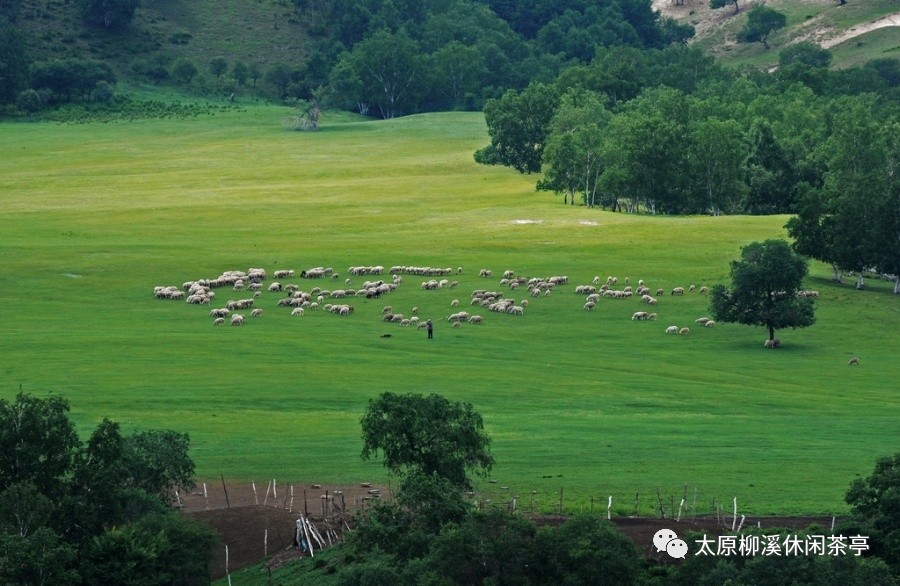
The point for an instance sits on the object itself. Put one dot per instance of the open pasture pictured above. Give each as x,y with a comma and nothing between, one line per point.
95,216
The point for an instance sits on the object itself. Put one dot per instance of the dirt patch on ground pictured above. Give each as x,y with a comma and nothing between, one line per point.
260,525
257,532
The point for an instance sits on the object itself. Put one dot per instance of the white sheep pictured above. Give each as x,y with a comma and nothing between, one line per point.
475,319
672,330
218,321
454,303
701,320
237,320
297,311
256,313
709,324
678,291
639,315
684,331
589,306
854,360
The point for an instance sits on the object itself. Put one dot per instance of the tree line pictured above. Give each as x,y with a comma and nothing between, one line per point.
386,57
670,131
94,512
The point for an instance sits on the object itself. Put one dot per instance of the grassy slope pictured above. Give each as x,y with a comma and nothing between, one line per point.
258,31
95,216
807,19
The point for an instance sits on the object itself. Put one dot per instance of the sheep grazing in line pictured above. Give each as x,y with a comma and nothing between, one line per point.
458,270
220,312
701,320
596,280
672,330
660,292
475,319
484,273
651,316
454,303
284,274
640,315
237,320
704,290
678,291
684,331
641,283
297,311
709,324
854,360
274,287
523,303
692,288
256,313
456,324
218,321
589,306
508,274
387,309
414,319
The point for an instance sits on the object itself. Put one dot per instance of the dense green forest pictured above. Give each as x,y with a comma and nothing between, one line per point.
384,57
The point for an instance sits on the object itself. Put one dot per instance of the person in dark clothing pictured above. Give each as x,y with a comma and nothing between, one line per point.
430,329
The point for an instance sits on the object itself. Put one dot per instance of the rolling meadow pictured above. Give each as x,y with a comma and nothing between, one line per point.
94,216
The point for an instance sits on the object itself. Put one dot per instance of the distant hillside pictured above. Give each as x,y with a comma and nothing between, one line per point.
858,31
258,31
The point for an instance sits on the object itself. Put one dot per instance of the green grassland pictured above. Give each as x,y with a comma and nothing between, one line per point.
94,216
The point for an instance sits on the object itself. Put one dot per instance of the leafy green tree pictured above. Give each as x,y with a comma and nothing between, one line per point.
875,509
110,14
429,434
490,547
240,72
806,53
761,22
14,62
158,549
722,3
584,548
280,76
717,150
29,101
218,66
183,70
457,73
763,292
856,215
158,462
575,157
254,73
42,558
37,442
518,124
390,69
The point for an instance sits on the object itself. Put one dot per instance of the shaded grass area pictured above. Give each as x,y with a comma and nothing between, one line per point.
95,216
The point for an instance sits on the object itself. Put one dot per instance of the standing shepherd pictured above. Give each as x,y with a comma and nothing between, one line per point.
430,329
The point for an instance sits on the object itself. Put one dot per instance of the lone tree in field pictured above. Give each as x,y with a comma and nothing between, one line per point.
764,287
429,434
761,22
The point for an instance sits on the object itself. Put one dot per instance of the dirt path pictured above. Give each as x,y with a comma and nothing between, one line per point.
861,29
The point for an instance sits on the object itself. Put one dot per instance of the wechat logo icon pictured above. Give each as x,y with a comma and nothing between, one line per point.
667,540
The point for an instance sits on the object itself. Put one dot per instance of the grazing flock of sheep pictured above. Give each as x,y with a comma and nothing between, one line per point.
202,292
